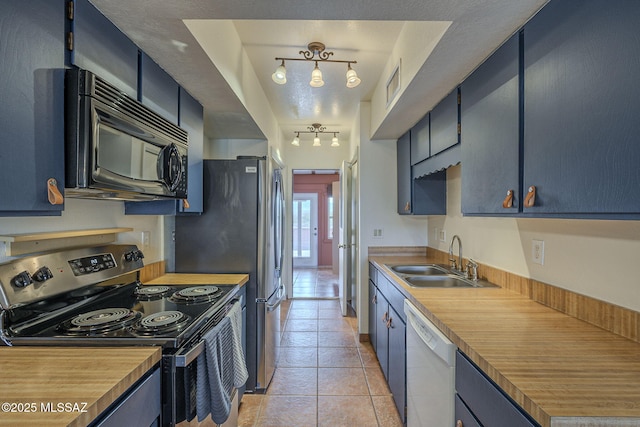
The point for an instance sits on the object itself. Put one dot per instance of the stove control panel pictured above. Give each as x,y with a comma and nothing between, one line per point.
92,264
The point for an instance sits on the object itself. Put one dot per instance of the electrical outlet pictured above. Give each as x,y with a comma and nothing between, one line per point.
537,251
443,236
146,235
377,233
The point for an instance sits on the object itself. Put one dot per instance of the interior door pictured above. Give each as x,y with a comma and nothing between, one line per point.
344,245
305,229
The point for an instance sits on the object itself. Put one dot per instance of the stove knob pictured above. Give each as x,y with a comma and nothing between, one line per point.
133,255
43,274
138,255
128,256
22,279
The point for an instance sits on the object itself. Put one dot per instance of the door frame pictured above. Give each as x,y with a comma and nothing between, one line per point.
312,260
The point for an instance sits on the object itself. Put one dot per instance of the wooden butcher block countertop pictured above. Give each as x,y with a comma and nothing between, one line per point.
87,380
561,370
199,279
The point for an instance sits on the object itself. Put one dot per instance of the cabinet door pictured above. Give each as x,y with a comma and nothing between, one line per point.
403,148
158,90
444,124
382,334
420,140
397,377
100,47
32,36
373,324
491,133
581,107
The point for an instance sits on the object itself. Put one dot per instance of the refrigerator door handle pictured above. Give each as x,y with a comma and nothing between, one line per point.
274,306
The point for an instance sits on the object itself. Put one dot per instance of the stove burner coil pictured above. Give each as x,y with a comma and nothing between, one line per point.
196,294
152,292
161,322
100,321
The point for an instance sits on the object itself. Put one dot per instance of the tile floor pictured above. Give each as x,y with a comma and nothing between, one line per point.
315,283
325,377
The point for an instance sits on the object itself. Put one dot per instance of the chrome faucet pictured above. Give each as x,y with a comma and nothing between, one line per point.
452,260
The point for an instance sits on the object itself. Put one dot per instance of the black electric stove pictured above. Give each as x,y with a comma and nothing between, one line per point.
91,296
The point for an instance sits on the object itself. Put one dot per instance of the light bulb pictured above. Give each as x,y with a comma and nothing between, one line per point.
352,77
316,141
296,141
280,75
316,77
334,141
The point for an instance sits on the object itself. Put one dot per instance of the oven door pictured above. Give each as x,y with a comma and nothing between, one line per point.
180,375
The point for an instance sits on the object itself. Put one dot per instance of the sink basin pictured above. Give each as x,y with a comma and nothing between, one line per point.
442,281
422,270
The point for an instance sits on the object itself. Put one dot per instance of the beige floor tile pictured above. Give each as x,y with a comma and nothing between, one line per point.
336,339
329,313
298,357
308,304
342,382
386,411
376,381
288,411
333,304
299,339
368,356
302,325
334,325
249,409
303,313
346,411
338,357
294,381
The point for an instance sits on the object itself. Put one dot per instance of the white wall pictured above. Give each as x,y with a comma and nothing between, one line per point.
87,214
230,149
378,207
598,258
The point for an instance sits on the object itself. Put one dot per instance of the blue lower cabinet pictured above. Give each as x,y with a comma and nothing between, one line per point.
483,401
32,42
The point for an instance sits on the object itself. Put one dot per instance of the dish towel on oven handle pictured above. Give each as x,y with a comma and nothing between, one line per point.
240,365
214,383
221,367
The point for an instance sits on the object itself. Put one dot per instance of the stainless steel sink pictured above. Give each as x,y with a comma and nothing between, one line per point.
435,276
421,270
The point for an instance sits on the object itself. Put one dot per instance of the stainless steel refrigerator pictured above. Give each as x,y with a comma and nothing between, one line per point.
240,231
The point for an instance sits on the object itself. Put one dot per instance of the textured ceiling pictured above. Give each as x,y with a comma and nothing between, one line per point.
283,27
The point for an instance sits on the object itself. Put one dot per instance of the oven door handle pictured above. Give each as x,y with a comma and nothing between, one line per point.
184,360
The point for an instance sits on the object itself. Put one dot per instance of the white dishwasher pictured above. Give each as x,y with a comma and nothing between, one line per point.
430,372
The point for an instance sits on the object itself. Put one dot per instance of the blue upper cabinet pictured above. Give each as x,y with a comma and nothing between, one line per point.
100,47
32,42
582,108
403,150
158,90
420,140
491,133
445,131
192,120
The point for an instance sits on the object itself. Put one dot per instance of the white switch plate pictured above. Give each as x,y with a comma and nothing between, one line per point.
537,251
377,233
443,236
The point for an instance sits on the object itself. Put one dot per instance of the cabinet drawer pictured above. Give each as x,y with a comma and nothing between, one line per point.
464,415
485,399
392,295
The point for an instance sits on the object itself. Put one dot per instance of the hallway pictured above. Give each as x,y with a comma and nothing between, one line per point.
315,283
325,377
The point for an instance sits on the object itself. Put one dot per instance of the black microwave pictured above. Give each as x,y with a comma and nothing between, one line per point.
117,148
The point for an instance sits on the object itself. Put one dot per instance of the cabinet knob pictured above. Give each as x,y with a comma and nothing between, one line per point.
374,300
530,200
185,204
55,197
459,423
385,316
407,207
508,201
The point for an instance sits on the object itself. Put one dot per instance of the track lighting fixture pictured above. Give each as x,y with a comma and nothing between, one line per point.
316,52
315,128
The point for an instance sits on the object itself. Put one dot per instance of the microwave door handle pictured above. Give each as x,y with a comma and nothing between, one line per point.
183,360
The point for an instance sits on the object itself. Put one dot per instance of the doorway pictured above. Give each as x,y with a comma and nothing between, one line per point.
313,234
